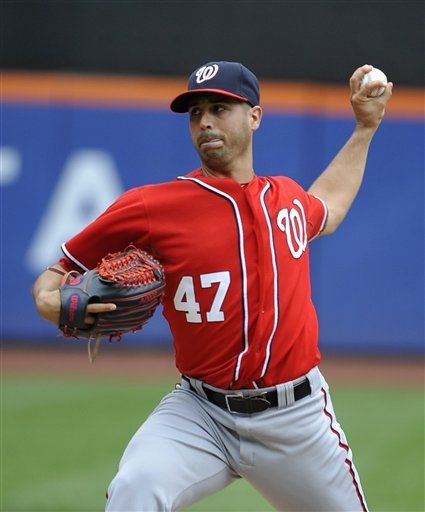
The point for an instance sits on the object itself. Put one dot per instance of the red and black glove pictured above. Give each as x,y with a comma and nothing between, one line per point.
132,280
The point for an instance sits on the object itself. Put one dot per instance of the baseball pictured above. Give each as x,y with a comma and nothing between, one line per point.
373,75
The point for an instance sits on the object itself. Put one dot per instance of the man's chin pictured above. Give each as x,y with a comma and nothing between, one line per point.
212,154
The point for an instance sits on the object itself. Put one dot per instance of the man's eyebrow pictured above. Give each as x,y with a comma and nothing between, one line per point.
194,103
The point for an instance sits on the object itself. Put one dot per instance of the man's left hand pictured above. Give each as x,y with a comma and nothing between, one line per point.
368,110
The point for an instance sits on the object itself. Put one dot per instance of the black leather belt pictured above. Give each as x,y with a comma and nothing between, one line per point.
235,402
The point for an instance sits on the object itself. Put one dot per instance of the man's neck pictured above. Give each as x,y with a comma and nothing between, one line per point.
239,175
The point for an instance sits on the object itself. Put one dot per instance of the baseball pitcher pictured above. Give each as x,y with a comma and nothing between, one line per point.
233,247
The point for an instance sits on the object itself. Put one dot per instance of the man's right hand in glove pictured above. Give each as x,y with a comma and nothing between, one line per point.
47,297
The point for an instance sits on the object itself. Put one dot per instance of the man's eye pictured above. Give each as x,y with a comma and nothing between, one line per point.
219,108
194,111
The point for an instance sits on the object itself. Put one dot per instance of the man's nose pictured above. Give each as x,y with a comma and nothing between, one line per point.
206,121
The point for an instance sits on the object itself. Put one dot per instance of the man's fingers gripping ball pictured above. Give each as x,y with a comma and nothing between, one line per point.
370,82
376,82
366,99
118,296
358,76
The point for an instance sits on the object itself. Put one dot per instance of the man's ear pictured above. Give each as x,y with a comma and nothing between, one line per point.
256,115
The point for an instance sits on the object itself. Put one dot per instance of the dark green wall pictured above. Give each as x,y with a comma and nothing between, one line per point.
313,40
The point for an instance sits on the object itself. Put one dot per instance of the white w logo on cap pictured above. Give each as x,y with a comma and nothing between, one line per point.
206,73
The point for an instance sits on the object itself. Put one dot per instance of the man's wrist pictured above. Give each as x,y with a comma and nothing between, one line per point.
365,132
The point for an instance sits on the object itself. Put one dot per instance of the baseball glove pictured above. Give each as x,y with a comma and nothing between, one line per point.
132,280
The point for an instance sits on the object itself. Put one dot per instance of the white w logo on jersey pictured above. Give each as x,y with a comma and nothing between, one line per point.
293,224
206,73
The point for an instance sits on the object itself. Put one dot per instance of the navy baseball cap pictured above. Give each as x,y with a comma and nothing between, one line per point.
228,78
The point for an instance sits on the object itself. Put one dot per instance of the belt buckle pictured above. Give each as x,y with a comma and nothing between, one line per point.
259,400
238,396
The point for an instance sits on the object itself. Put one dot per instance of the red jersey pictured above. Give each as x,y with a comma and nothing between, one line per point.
236,261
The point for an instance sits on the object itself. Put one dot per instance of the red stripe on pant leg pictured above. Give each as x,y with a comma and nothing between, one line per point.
346,448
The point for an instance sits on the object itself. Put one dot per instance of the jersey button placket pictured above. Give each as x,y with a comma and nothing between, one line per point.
261,232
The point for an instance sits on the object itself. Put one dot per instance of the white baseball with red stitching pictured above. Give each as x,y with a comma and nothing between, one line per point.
372,76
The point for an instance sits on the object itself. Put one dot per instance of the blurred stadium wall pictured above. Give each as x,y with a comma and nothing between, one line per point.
71,142
320,40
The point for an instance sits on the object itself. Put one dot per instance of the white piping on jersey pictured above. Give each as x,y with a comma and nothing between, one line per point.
275,284
325,218
69,255
243,263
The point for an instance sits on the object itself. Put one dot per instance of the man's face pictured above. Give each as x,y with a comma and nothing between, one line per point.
221,128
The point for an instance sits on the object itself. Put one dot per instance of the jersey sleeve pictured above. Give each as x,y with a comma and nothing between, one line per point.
124,222
317,213
68,264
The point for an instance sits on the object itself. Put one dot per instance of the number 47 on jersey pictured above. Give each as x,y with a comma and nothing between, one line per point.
185,300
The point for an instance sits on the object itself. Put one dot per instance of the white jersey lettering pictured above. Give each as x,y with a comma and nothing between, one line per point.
293,224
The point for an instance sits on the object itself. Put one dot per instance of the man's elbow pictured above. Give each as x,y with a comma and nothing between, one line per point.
333,221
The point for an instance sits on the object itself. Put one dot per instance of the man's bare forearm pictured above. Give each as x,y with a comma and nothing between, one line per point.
339,184
47,297
46,294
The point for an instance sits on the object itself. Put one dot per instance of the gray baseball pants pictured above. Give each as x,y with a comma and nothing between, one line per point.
296,455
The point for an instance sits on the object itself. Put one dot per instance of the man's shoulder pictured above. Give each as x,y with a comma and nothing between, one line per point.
285,182
166,192
165,186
